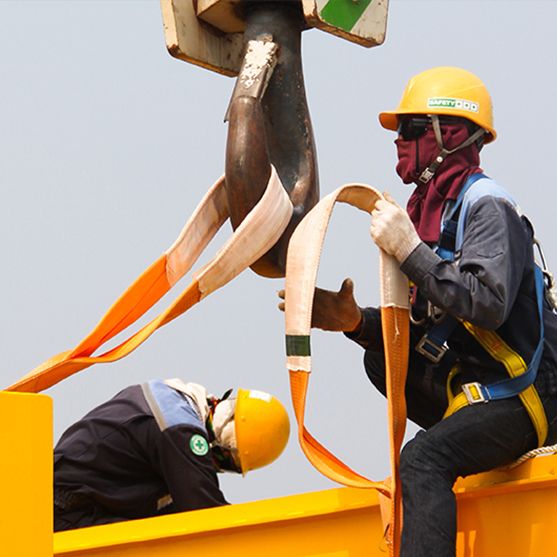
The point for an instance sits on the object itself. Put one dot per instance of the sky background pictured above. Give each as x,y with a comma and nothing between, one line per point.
107,144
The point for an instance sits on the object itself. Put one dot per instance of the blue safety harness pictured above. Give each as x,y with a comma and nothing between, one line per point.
433,344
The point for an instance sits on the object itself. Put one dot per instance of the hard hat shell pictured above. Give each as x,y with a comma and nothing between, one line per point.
446,91
262,428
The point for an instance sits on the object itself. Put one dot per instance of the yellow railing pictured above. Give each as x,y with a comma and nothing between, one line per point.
25,475
509,513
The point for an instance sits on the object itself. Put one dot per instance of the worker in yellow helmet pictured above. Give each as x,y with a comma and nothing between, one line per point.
482,379
156,449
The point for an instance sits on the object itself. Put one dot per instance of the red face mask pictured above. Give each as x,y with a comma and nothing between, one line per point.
425,205
407,152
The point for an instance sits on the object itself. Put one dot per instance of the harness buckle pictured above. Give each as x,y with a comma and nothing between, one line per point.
431,350
426,176
473,393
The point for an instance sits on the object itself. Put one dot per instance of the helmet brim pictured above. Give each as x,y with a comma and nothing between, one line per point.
389,120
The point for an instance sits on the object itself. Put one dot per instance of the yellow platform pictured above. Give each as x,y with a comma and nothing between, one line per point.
501,514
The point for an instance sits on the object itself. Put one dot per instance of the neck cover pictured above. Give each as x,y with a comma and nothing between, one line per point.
223,424
425,205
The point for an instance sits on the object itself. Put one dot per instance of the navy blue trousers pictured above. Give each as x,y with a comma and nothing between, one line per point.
474,439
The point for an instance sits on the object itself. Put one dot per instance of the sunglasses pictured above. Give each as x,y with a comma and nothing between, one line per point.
412,128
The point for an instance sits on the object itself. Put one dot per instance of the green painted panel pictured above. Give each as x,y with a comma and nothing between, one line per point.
344,14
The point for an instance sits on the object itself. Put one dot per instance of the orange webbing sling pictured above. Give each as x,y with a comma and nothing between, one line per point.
259,231
301,272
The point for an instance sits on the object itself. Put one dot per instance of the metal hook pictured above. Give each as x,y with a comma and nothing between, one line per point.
269,123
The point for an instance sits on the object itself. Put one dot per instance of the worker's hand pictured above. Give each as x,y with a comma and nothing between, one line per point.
392,230
334,311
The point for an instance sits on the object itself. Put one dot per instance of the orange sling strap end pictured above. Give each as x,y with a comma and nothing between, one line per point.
325,461
396,339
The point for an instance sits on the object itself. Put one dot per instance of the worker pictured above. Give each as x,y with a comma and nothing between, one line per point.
480,306
156,448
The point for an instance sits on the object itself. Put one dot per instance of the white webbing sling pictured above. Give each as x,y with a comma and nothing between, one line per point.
259,231
301,272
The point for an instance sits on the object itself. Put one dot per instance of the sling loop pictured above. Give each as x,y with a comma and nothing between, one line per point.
301,272
259,231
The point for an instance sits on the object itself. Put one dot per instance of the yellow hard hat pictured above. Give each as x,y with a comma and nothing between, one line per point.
262,428
445,91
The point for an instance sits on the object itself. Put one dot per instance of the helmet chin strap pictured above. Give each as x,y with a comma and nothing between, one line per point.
432,168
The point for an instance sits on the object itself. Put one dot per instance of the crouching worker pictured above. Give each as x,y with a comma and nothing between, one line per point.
156,449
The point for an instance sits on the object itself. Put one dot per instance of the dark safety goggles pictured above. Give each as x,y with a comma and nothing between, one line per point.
412,127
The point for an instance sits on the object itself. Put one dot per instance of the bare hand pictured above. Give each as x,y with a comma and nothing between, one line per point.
334,311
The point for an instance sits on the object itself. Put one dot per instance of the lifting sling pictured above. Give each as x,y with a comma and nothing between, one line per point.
259,231
301,271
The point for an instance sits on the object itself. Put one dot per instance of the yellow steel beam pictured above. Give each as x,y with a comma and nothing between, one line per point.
509,513
502,513
323,523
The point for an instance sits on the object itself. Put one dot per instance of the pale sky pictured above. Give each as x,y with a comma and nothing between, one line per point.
107,144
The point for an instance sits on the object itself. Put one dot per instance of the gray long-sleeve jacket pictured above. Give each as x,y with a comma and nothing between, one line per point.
491,285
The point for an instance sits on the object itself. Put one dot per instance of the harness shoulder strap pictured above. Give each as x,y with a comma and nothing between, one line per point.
522,376
433,344
483,186
450,226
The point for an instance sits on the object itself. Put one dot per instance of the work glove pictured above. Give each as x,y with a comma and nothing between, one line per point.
392,230
334,311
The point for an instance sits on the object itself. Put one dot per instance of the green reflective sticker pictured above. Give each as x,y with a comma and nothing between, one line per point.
344,14
199,445
297,345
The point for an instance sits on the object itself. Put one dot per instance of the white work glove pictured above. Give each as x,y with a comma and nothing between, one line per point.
392,230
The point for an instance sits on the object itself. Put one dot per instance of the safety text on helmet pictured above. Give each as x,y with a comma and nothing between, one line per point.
456,104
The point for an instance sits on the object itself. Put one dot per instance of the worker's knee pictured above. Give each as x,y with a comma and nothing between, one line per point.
422,461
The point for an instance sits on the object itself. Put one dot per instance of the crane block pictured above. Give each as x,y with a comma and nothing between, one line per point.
198,42
209,33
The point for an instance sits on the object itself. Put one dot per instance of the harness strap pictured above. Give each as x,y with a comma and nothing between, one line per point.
259,231
521,375
433,343
301,271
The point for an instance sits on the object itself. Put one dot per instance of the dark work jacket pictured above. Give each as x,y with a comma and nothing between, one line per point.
491,285
133,464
